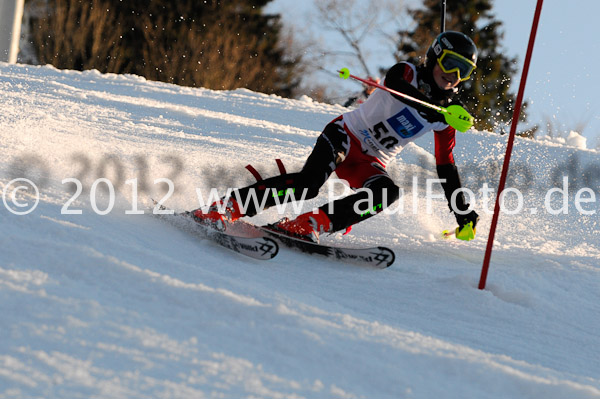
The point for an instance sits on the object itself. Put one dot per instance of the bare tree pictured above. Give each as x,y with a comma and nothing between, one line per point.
358,23
356,32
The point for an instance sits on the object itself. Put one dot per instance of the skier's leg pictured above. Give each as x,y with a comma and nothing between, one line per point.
359,170
377,194
330,150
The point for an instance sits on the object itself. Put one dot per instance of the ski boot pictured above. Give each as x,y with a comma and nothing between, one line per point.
218,214
307,226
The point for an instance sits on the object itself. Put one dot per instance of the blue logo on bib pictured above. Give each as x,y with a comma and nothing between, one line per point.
405,124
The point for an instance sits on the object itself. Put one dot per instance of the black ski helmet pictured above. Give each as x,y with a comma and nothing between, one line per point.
454,41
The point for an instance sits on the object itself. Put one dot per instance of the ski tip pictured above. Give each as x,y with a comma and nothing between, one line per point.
269,247
385,258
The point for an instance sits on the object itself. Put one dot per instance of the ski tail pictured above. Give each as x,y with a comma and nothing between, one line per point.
258,247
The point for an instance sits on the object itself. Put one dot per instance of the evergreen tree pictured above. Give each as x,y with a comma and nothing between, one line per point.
486,95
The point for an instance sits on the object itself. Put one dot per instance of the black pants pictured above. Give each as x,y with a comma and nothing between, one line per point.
331,149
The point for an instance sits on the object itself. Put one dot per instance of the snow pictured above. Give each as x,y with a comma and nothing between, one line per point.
573,139
576,140
124,306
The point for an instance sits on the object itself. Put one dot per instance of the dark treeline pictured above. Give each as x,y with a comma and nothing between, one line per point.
213,44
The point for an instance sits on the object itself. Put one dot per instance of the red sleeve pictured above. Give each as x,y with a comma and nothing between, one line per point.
444,144
408,73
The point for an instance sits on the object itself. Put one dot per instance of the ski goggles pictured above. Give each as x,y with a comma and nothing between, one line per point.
450,62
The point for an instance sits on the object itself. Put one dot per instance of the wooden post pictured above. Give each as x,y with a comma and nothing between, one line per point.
11,15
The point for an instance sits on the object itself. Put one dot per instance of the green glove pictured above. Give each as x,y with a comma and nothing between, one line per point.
467,233
457,117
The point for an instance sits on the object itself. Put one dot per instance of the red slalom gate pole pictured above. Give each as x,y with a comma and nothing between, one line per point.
513,129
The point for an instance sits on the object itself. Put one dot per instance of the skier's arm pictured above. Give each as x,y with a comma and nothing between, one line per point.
398,78
350,101
447,171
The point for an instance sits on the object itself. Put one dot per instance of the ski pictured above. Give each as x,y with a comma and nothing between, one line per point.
260,247
379,257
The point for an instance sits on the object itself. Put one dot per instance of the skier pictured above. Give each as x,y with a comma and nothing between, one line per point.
363,95
358,144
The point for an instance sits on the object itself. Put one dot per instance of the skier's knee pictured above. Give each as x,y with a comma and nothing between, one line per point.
384,189
311,185
304,185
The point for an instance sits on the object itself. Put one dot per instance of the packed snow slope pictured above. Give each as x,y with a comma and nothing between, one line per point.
109,303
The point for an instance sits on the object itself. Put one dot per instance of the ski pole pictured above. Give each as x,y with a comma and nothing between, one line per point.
448,233
455,115
443,16
345,74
